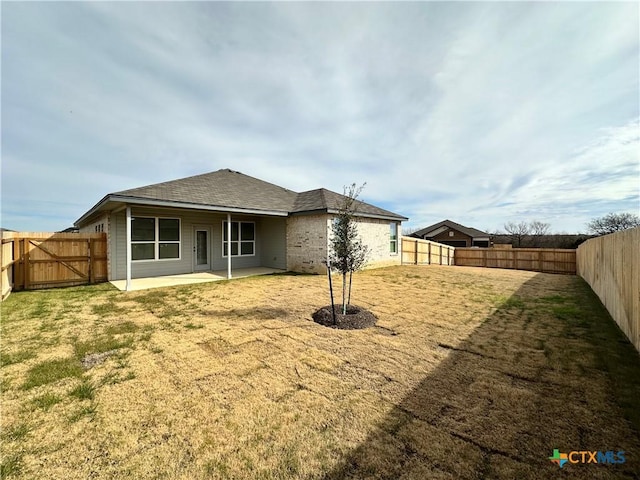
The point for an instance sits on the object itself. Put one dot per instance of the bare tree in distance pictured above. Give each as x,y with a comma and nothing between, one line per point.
539,228
518,232
613,222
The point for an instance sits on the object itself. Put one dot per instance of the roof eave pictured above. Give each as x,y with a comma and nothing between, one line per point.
332,211
392,217
172,204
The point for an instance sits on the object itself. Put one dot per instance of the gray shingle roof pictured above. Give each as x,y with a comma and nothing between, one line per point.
231,189
472,232
223,188
326,200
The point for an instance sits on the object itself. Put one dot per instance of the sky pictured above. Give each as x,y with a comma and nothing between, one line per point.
482,113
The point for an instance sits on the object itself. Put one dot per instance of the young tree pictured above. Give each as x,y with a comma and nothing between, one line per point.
613,222
347,254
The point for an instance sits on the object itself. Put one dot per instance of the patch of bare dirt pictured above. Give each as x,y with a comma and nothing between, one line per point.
94,359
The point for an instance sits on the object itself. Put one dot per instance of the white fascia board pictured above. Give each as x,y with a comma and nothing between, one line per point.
196,206
170,204
372,215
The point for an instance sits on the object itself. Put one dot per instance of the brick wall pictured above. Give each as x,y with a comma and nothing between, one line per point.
308,242
376,235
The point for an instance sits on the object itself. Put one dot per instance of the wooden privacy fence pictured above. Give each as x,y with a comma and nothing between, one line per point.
546,260
611,266
426,252
43,260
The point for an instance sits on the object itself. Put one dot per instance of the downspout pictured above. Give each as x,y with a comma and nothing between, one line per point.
128,235
228,245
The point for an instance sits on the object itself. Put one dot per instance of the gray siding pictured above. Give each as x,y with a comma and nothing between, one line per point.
270,249
272,235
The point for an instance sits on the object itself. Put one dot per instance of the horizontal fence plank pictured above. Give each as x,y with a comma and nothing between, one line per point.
546,260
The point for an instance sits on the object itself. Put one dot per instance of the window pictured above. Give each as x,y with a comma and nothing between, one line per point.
155,238
393,237
451,233
243,239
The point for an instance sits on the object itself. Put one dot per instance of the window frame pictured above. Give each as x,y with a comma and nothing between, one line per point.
392,241
239,241
156,241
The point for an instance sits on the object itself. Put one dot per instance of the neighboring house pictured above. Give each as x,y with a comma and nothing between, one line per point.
69,230
454,234
191,225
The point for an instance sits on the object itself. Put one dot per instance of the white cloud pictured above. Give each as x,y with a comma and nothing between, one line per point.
480,113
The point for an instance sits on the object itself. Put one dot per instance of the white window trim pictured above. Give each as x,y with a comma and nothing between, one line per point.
394,241
239,242
157,242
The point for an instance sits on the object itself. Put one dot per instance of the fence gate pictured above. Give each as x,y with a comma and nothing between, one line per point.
45,260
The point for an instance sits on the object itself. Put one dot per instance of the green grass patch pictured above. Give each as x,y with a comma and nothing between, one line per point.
513,302
568,312
108,308
151,298
10,465
84,391
15,357
193,326
51,371
89,410
120,328
46,401
15,432
557,299
104,343
40,309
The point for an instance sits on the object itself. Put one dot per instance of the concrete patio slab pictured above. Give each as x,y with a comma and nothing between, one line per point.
191,278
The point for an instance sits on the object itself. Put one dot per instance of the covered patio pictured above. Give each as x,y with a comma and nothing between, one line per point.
191,278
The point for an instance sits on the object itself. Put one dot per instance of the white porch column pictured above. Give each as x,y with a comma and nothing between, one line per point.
128,234
229,245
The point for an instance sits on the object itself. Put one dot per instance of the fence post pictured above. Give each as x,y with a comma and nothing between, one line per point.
540,260
440,254
429,253
90,272
27,265
416,249
18,261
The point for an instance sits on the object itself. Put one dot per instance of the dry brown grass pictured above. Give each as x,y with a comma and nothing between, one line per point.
469,373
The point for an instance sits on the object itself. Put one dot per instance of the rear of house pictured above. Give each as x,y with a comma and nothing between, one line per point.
192,224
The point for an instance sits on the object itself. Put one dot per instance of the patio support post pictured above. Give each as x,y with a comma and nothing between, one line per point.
229,245
128,234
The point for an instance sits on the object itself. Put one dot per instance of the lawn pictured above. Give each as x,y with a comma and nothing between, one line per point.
470,373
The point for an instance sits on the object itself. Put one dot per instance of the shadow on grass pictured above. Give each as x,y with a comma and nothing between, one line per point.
541,373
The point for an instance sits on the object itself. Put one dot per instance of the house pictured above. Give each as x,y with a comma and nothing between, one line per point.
226,220
454,234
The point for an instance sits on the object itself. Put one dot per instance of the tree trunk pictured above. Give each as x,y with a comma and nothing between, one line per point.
344,293
333,305
349,296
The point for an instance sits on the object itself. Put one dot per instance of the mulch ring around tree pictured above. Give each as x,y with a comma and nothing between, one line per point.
356,317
